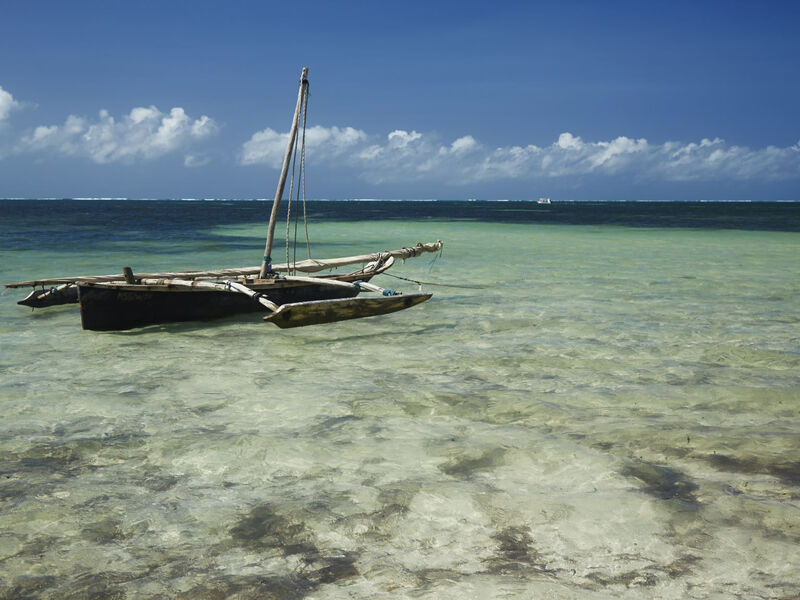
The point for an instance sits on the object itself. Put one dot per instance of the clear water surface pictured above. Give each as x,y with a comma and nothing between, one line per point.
596,407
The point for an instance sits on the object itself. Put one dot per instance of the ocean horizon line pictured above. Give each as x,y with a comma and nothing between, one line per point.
464,200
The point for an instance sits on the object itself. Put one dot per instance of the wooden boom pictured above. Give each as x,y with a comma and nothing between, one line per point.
305,266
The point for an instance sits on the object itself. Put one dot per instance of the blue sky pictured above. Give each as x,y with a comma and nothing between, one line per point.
573,100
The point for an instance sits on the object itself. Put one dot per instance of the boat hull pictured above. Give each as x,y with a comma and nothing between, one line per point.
61,294
332,311
118,307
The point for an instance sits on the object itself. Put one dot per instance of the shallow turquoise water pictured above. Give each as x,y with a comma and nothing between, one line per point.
590,411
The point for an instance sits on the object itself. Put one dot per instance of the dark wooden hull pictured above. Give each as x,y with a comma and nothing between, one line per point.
60,294
117,307
332,311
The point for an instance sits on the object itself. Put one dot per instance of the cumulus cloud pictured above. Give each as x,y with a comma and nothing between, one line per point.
269,146
7,104
143,134
410,155
462,145
196,160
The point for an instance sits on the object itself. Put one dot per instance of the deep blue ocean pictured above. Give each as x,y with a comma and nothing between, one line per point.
25,222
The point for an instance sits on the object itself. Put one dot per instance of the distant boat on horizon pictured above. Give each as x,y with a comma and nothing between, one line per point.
543,201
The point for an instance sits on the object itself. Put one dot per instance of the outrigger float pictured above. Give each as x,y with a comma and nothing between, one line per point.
127,301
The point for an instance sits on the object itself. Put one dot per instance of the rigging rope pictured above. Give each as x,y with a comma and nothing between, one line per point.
452,285
303,171
289,204
301,182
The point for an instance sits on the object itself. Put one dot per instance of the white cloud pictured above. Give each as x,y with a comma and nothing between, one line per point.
143,134
195,160
401,139
410,155
463,144
269,146
567,140
638,158
7,104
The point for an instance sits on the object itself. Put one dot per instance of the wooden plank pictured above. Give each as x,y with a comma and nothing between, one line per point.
306,266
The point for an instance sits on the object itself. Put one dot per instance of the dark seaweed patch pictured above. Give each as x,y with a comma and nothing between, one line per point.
338,567
681,566
401,496
36,547
97,501
648,577
124,440
102,586
628,579
788,472
388,511
334,425
733,465
515,552
55,458
663,482
14,488
159,483
428,578
381,523
294,586
67,458
37,470
27,586
44,459
264,528
514,544
104,532
466,466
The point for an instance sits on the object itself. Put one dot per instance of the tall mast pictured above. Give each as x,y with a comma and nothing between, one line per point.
266,266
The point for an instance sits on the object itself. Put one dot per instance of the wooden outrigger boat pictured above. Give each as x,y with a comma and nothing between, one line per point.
114,302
